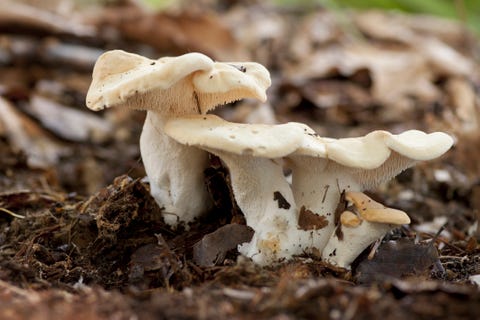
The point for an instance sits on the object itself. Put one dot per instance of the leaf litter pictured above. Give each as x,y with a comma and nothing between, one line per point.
92,243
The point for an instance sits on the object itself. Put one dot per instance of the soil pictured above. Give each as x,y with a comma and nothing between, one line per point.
81,237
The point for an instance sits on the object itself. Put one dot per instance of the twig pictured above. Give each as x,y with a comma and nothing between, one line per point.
13,214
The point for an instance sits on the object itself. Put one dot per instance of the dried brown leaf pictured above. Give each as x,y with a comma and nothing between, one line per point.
41,149
397,259
213,247
68,123
177,32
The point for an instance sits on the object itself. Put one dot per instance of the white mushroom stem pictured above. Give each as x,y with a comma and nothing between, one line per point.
342,252
317,186
265,198
175,172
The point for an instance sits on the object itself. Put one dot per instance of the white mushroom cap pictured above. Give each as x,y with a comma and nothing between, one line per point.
119,75
419,145
377,156
357,231
258,140
231,81
373,149
188,84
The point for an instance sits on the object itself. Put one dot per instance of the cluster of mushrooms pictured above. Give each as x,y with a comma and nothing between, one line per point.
320,208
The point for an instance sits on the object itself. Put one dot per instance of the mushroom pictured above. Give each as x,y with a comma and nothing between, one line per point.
167,88
289,219
324,168
258,183
358,228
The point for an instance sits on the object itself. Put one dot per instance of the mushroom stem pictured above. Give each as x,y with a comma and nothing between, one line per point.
175,172
342,251
265,198
317,187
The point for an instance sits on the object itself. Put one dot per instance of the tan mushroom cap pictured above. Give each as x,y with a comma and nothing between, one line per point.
419,145
188,84
259,140
118,75
377,156
350,219
231,81
373,211
375,148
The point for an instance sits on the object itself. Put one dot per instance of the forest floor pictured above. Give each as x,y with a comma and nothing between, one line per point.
81,237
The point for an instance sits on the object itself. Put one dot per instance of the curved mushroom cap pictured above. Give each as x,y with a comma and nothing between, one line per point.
119,75
373,149
188,84
214,133
419,145
372,211
230,81
377,156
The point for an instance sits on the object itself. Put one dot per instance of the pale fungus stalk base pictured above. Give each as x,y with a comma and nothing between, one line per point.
175,172
265,197
317,186
341,253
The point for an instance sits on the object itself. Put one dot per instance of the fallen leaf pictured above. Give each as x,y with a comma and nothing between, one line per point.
153,257
178,32
213,247
68,123
41,149
397,259
21,15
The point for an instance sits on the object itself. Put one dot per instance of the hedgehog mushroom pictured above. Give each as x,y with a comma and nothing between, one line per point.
259,185
366,222
167,88
324,168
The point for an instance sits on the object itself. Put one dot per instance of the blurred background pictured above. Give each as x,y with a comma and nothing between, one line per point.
465,11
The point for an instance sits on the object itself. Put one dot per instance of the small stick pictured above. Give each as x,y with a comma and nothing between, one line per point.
374,248
13,214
